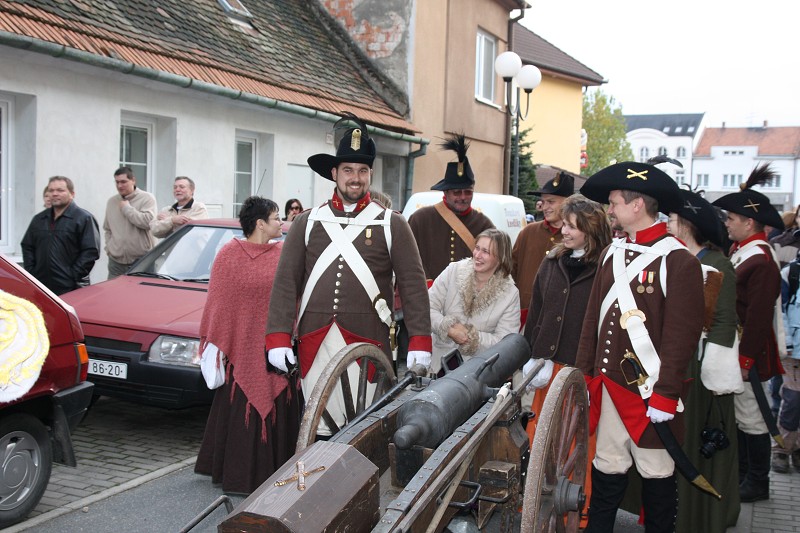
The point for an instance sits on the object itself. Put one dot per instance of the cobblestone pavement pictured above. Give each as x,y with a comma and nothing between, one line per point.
119,442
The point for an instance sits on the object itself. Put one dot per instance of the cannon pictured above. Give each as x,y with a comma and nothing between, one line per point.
418,453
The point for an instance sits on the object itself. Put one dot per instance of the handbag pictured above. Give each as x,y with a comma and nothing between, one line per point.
212,365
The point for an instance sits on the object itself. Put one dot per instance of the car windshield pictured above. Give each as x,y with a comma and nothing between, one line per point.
187,255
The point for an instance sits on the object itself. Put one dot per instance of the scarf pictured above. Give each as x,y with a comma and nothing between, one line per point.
234,318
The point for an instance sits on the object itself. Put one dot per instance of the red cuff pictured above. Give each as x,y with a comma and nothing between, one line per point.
277,340
746,362
663,404
420,343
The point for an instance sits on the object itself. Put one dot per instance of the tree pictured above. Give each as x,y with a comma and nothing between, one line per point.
527,172
605,128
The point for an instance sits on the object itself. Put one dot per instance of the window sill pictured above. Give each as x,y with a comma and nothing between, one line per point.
489,103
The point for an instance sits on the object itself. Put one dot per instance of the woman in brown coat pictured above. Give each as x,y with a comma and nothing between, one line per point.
560,296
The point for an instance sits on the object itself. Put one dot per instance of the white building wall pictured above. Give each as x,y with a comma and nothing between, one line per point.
653,140
66,120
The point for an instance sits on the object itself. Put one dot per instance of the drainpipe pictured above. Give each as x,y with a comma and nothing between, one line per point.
509,119
30,44
409,185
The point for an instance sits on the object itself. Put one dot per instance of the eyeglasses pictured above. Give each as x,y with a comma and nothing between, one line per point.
295,208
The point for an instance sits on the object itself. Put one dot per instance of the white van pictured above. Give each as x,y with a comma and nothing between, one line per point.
506,212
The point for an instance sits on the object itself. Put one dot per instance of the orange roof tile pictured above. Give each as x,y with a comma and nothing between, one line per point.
779,141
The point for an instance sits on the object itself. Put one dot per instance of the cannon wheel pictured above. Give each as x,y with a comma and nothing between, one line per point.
335,377
557,467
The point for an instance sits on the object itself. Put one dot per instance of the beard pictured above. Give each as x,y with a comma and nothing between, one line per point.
350,196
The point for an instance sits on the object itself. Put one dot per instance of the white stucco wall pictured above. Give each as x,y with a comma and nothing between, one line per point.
654,139
65,119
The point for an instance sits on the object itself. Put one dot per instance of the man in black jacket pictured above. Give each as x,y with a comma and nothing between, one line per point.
62,242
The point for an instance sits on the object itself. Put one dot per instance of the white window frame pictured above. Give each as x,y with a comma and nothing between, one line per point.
702,180
662,150
149,183
253,142
6,190
644,154
681,151
481,69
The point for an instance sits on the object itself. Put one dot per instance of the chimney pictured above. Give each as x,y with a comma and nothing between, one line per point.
723,124
766,123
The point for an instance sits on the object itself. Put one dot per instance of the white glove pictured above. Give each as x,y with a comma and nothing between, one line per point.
418,357
657,416
542,378
278,357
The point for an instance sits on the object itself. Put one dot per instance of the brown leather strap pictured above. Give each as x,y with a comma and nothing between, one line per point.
456,224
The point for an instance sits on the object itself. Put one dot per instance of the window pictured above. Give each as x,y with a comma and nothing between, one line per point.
678,129
731,180
243,172
690,129
680,178
135,149
665,129
235,8
681,151
662,150
702,180
644,154
486,50
775,182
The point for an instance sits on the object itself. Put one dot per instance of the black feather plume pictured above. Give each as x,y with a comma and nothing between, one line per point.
761,175
457,143
347,118
663,159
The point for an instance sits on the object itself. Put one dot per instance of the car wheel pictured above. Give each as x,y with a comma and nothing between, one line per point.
26,459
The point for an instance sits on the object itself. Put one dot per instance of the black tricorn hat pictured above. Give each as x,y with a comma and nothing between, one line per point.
458,174
753,204
562,185
703,216
355,147
634,176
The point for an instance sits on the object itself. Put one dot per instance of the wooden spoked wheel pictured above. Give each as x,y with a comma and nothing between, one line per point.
557,468
345,380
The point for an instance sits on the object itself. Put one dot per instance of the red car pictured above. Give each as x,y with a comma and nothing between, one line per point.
143,328
35,428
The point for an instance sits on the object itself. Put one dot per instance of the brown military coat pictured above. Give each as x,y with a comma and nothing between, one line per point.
674,323
438,244
532,245
338,293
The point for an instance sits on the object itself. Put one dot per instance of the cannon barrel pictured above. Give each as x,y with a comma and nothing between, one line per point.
434,413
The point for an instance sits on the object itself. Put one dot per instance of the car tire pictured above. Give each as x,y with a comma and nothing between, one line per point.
26,459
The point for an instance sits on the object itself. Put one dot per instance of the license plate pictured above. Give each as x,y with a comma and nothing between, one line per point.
108,369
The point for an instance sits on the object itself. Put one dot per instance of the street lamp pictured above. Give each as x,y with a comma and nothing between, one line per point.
508,66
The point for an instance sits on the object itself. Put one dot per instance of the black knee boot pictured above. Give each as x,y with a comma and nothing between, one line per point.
744,464
607,493
660,502
755,486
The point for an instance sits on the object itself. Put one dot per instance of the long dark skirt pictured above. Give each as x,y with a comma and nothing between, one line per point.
233,453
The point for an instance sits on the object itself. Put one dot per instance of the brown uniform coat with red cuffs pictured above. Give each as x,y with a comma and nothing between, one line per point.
674,323
532,245
438,244
339,294
758,285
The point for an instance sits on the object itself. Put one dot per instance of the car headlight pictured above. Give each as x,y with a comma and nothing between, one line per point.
175,351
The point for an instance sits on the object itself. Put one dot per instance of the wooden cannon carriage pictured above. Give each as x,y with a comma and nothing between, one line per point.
415,454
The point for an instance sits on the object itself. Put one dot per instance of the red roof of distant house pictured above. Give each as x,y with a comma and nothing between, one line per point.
780,141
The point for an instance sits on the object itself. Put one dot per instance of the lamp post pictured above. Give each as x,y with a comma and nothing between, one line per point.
508,66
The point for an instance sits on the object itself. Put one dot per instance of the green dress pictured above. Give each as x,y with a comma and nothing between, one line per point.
697,510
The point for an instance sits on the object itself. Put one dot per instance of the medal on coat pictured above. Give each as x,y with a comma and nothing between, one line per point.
649,289
368,234
642,278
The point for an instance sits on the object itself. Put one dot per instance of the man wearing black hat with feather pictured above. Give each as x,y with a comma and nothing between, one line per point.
646,307
336,268
445,232
536,240
758,289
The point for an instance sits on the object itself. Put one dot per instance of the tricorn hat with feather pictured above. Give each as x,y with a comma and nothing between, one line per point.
356,146
458,174
753,204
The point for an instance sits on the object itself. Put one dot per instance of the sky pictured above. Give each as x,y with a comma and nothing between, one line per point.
738,62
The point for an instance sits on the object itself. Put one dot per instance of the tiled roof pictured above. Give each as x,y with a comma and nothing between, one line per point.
545,173
292,56
536,51
781,141
673,125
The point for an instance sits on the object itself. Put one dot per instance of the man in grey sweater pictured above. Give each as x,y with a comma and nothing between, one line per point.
127,223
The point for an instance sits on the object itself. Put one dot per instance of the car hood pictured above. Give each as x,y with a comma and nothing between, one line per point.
142,304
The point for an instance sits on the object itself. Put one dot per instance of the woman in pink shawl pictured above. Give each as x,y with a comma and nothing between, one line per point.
254,419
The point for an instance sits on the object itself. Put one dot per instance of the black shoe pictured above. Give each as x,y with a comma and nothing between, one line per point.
753,491
780,463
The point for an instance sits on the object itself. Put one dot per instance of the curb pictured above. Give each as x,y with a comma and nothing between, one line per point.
94,498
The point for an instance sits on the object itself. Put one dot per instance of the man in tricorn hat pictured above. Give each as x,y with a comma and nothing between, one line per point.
641,327
758,286
537,239
336,268
445,232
